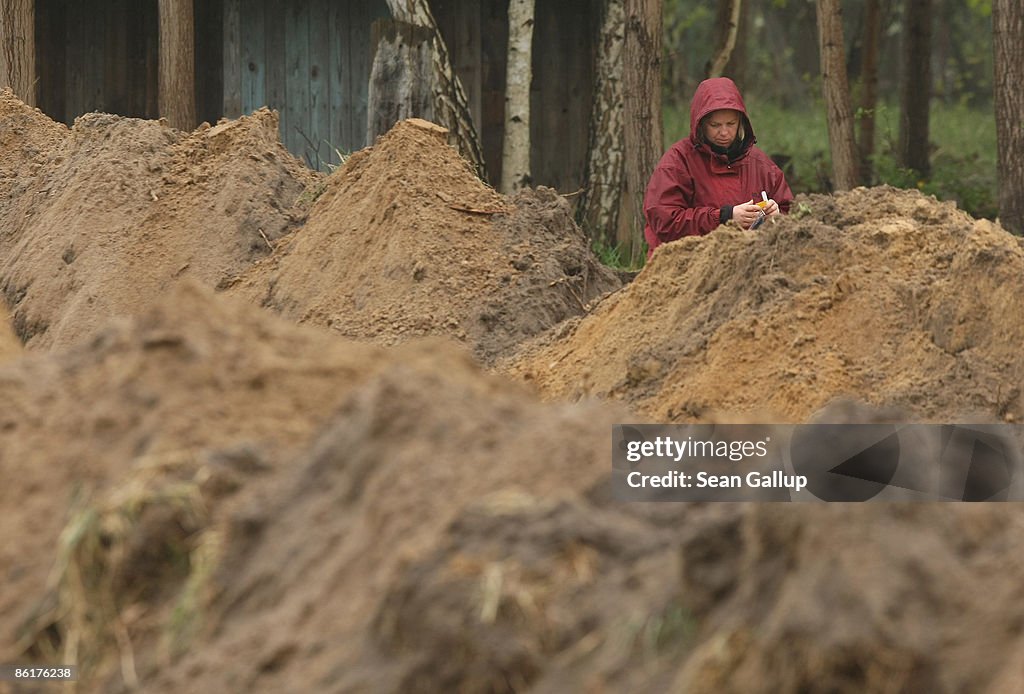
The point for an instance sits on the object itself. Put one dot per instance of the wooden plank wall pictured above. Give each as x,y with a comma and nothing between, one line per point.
97,56
493,61
209,21
563,56
103,55
476,34
563,68
310,60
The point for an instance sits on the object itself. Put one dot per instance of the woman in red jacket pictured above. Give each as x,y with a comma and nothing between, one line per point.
714,175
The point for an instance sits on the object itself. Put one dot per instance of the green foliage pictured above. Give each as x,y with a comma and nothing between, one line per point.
963,158
776,55
963,149
982,8
668,630
619,257
802,210
312,193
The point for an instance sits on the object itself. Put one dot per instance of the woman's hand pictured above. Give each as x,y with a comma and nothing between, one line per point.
746,213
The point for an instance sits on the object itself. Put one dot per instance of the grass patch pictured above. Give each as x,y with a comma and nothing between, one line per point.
620,257
142,545
311,194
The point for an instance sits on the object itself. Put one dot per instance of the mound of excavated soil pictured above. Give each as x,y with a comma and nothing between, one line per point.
28,141
199,437
10,347
405,241
251,505
191,380
883,295
853,598
98,220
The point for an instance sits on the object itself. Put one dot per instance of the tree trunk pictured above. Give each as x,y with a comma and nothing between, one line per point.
515,167
728,26
837,95
18,48
736,68
915,92
450,107
641,72
869,83
177,64
1008,42
602,192
401,77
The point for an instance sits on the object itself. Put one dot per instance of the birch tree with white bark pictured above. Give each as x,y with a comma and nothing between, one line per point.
602,192
515,166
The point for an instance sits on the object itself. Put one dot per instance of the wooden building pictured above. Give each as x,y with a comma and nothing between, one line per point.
311,60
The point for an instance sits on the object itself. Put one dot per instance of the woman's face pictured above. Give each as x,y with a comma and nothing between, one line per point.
720,127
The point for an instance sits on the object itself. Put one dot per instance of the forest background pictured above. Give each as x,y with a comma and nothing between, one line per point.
775,62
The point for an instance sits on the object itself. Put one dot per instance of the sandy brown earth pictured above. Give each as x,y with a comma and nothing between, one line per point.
406,241
882,295
116,209
201,495
402,241
10,346
300,456
250,505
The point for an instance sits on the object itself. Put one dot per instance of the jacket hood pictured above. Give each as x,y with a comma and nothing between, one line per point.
713,95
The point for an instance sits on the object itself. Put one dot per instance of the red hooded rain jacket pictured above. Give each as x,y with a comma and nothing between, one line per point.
692,183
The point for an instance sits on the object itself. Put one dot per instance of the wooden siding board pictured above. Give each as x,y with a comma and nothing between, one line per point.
341,125
232,59
579,93
108,57
151,31
136,50
493,58
274,19
465,53
209,77
358,23
96,28
253,56
151,37
50,58
545,97
361,57
297,79
319,73
75,61
561,92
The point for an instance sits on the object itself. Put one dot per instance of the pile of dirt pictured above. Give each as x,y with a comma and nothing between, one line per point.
98,220
591,595
208,497
853,598
252,505
229,472
10,346
406,241
28,141
882,295
192,381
